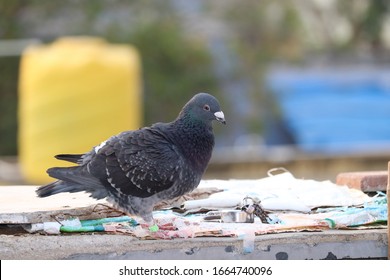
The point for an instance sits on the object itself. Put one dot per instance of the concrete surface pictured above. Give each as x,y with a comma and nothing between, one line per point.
331,244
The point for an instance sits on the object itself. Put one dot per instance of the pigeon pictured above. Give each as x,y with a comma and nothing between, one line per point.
134,170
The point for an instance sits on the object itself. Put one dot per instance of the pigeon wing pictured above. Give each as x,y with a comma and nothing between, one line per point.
141,163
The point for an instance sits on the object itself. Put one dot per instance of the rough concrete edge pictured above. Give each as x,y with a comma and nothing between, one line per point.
118,246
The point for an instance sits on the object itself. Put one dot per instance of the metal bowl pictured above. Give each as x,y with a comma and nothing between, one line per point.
236,216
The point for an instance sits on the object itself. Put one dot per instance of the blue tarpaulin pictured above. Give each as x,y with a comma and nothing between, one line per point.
334,110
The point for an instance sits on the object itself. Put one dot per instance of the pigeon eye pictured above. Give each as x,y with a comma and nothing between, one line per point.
206,107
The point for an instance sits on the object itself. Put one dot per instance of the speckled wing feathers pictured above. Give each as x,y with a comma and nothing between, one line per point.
140,163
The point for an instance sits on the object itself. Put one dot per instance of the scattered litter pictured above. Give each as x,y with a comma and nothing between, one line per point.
244,209
373,212
281,192
255,209
75,225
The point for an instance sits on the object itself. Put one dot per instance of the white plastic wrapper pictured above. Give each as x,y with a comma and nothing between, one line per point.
279,192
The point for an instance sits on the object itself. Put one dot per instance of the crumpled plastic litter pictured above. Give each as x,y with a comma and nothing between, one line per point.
75,225
374,211
278,192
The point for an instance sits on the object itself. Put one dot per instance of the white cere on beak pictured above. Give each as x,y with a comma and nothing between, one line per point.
220,117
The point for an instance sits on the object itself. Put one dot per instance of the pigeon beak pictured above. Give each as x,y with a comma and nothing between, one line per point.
220,117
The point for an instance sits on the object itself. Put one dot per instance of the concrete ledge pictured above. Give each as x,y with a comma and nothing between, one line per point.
331,244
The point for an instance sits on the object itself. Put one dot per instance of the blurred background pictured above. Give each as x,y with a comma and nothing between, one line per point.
303,84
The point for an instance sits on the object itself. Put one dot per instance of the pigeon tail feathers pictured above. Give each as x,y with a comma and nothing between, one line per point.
71,158
72,179
57,187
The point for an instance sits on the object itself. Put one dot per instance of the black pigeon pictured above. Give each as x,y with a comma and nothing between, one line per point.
137,169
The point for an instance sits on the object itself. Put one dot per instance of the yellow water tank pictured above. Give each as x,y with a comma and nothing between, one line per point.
74,94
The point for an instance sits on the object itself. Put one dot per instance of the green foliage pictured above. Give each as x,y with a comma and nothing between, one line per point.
174,68
8,18
265,32
8,105
372,23
9,67
176,64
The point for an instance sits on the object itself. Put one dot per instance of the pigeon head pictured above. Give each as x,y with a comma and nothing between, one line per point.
203,107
